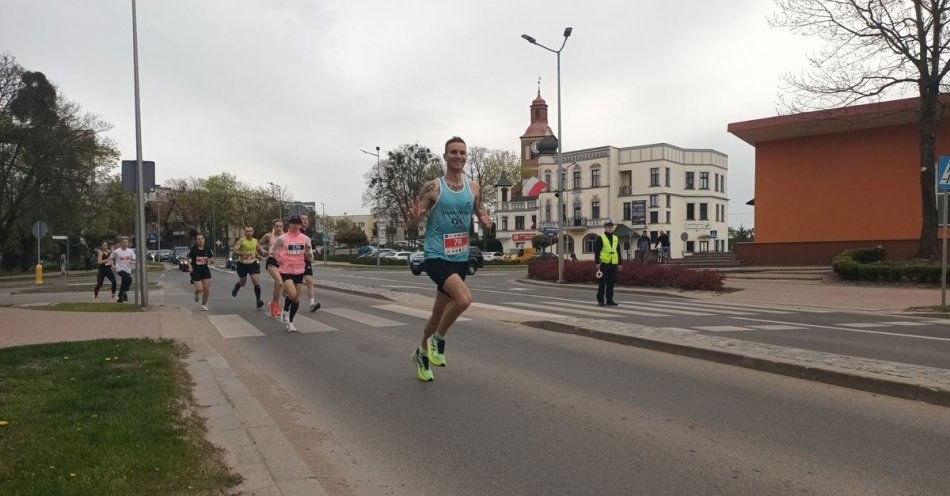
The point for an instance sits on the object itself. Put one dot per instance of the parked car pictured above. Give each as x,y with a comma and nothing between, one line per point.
543,255
363,250
165,255
491,256
399,255
476,260
181,256
231,262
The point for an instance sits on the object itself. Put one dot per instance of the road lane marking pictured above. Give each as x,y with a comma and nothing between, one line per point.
849,329
663,308
567,310
722,328
605,309
866,325
908,324
306,325
723,307
233,326
412,312
489,306
363,318
776,327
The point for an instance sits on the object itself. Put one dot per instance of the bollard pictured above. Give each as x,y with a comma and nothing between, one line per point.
39,273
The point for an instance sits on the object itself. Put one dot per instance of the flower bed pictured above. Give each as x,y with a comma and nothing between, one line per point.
867,264
632,274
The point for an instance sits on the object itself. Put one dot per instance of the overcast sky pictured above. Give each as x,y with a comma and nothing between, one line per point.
290,91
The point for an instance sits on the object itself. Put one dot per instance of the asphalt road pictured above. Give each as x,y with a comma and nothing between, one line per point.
524,411
899,338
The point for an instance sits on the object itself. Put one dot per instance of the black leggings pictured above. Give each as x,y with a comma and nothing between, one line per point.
126,282
104,272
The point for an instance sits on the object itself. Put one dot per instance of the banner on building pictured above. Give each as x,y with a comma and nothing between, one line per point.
638,213
523,237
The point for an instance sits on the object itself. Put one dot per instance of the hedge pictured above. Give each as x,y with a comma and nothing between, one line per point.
632,274
867,264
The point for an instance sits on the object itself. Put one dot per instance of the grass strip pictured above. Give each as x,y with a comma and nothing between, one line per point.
102,417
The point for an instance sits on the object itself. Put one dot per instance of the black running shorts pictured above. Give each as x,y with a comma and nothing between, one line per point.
271,262
200,273
243,269
307,268
296,278
439,270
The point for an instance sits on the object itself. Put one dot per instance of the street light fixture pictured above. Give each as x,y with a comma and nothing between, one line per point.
140,193
377,205
323,207
280,210
560,140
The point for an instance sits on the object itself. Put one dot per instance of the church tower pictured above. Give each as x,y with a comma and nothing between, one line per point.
529,140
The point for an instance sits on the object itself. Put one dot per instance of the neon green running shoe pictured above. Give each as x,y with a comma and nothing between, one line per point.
436,348
422,366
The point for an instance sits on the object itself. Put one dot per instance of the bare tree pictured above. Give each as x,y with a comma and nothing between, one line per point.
875,49
398,180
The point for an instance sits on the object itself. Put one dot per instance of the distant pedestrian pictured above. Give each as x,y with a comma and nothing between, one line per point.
608,263
123,258
104,262
573,257
663,246
643,247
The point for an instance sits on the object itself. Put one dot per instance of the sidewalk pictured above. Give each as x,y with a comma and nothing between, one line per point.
253,444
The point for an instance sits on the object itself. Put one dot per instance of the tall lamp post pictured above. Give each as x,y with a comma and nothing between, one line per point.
140,195
323,208
280,210
560,140
377,204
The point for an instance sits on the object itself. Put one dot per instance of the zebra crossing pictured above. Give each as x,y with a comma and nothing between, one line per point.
393,315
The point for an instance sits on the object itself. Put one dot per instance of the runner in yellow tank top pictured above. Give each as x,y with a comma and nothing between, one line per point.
247,250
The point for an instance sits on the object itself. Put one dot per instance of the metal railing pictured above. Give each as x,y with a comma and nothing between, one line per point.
518,206
626,190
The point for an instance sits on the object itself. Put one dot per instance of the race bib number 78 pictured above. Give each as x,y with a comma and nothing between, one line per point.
455,244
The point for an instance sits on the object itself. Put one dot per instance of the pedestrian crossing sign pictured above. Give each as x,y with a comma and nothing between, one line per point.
943,174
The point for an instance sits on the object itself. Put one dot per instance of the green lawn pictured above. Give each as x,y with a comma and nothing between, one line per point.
88,307
108,417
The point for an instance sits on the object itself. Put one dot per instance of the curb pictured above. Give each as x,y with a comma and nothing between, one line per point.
352,290
872,383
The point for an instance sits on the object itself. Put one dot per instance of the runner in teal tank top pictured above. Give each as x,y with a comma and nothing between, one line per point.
450,202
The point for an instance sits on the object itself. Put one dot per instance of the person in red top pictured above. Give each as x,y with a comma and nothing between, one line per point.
294,249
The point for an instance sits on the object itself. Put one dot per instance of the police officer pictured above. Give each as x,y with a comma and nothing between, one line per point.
606,248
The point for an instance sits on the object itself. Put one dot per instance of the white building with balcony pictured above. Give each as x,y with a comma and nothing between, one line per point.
652,188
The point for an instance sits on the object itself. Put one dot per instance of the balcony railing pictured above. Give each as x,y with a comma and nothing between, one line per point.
518,206
626,190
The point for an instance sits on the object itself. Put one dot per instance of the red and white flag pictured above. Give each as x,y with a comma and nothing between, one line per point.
533,186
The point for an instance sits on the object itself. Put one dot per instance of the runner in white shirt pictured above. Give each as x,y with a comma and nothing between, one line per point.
123,258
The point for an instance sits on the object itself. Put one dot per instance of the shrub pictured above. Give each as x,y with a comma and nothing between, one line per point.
632,274
867,265
868,255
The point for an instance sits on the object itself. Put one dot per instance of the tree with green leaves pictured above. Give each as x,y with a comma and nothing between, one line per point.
541,242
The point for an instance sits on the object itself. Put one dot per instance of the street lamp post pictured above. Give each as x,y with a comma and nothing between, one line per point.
140,196
560,140
377,205
323,209
280,209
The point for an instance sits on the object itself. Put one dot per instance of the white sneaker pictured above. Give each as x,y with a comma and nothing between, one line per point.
285,317
95,299
291,327
204,308
113,297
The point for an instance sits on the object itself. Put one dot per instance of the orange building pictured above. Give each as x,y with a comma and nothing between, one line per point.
836,179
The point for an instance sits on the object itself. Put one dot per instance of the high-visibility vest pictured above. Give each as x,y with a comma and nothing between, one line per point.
608,251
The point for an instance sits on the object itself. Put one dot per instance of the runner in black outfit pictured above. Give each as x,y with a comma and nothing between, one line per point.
105,270
198,259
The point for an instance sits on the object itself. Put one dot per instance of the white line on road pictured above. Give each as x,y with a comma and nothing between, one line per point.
721,307
307,325
412,312
776,327
568,310
866,325
665,308
489,306
722,328
907,324
363,318
816,326
606,309
233,326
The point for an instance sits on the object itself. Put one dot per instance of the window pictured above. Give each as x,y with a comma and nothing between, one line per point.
690,211
690,246
717,182
689,180
666,179
654,235
504,194
654,217
547,211
564,212
595,178
595,209
667,201
626,211
519,222
703,211
547,180
667,216
563,180
504,223
589,241
654,201
654,176
703,180
534,222
577,178
577,213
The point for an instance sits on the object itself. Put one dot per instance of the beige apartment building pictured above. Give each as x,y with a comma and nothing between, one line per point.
653,188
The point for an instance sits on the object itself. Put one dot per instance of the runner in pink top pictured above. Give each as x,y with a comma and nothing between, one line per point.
293,249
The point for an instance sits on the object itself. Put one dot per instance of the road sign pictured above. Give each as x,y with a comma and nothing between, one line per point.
714,234
152,236
39,229
684,236
550,231
60,237
297,209
130,176
178,233
943,174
